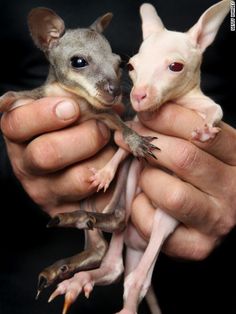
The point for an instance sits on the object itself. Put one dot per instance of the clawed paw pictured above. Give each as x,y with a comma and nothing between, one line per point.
208,132
101,178
141,146
72,288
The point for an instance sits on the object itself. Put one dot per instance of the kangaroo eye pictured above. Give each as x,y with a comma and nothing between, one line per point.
78,62
176,66
64,268
129,67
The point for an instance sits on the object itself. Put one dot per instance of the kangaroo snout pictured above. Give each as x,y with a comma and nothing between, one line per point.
140,97
113,88
110,91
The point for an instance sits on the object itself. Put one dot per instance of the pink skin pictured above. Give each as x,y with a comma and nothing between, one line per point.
138,280
103,177
155,84
112,264
154,81
110,269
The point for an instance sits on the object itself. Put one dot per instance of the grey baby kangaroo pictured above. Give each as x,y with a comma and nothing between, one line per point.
83,67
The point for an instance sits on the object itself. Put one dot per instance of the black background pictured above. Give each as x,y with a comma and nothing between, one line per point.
27,246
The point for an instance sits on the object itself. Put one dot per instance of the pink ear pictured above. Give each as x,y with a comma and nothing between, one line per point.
205,30
151,22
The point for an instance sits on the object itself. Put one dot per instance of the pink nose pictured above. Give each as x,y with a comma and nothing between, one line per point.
139,95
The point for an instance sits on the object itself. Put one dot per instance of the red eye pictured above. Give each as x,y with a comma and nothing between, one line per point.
129,67
176,66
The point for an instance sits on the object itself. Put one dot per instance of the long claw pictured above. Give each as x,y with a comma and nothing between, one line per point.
151,138
37,295
88,289
152,155
154,147
42,283
67,304
105,187
55,294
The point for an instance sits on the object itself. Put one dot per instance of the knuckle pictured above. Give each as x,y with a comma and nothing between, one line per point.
201,247
37,192
223,224
42,155
11,125
201,251
177,199
98,134
18,169
186,157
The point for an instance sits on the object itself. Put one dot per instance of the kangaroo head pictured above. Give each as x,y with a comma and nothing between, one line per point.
81,59
167,65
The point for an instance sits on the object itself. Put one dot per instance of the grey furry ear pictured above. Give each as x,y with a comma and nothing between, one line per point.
46,27
102,22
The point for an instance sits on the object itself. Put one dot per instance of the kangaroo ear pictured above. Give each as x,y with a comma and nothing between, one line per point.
46,28
205,30
151,22
102,22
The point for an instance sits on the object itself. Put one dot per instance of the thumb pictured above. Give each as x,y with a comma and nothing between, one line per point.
39,116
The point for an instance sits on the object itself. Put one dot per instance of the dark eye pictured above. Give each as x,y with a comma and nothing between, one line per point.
129,67
176,66
64,268
78,62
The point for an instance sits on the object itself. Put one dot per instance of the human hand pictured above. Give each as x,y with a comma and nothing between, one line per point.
51,154
202,196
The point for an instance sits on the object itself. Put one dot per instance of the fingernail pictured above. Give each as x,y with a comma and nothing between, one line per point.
146,116
66,110
104,130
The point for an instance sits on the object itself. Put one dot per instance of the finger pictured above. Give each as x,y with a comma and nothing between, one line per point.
99,200
189,243
142,210
185,242
183,201
188,161
57,150
39,116
73,184
61,191
175,120
15,153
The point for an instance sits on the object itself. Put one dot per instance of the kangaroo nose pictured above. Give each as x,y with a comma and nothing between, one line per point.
139,95
113,89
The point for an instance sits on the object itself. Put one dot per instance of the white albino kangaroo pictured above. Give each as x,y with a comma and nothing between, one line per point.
167,67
